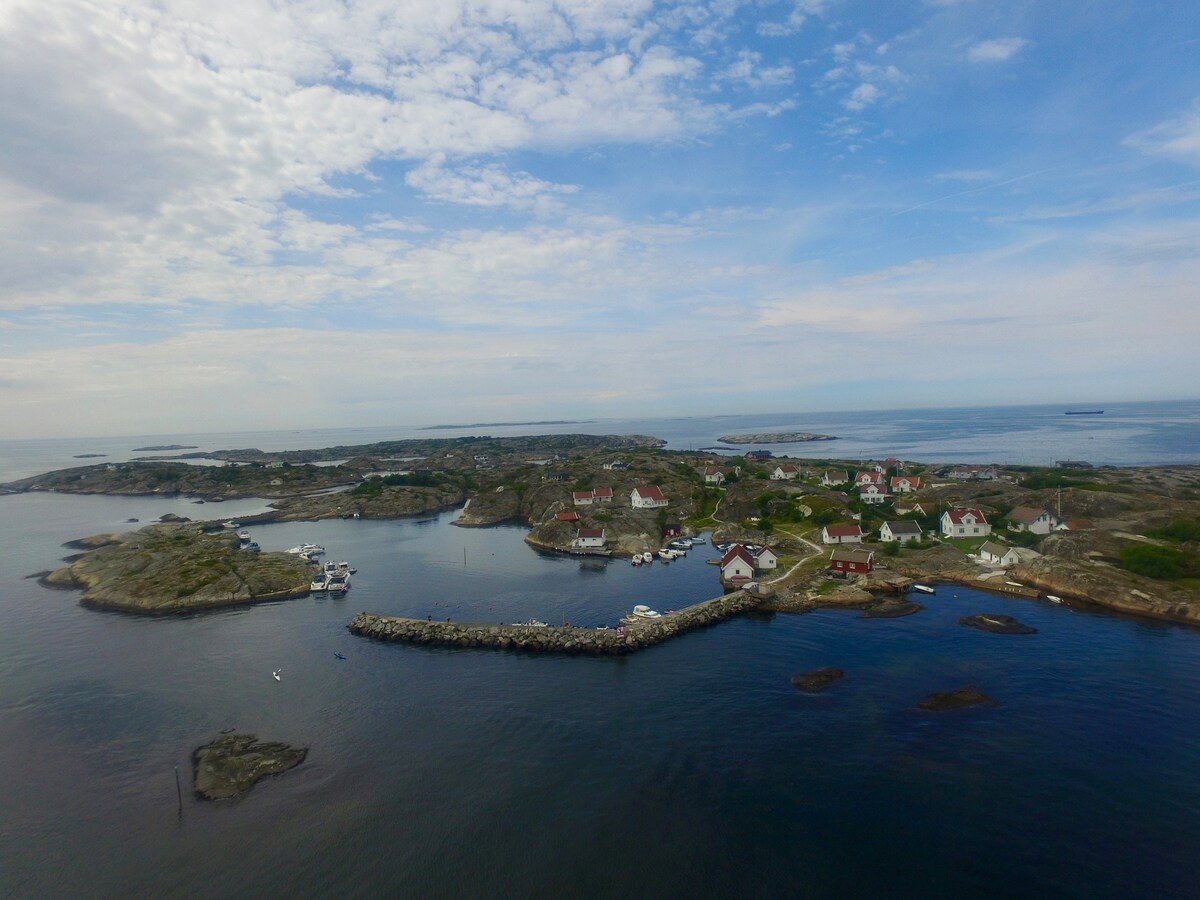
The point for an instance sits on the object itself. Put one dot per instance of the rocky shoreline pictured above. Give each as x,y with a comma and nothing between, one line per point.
776,437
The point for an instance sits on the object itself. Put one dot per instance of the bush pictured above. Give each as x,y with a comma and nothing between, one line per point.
1179,530
1163,563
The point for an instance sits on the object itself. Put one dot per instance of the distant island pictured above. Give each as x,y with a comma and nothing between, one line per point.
164,447
510,424
776,437
88,455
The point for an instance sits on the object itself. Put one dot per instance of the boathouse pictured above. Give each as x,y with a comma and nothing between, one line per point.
737,565
856,561
589,538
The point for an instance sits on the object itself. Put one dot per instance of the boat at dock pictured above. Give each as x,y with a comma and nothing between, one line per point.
645,612
1054,599
532,623
647,556
923,588
338,584
319,582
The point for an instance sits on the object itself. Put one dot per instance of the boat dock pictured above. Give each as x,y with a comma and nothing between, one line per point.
1003,587
554,639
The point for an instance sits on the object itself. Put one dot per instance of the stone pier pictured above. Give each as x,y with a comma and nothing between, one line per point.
553,639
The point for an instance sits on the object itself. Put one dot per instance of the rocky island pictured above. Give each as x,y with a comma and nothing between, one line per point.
776,437
177,568
234,763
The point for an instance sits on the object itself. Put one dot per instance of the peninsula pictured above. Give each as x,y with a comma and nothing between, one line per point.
1127,539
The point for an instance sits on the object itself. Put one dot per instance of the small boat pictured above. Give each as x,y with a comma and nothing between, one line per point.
697,541
345,568
645,612
647,556
252,546
1014,584
1053,599
275,674
338,655
532,623
923,588
637,561
338,584
666,555
1084,412
319,582
330,568
230,524
722,547
244,535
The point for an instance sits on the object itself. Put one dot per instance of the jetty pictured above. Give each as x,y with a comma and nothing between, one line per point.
565,639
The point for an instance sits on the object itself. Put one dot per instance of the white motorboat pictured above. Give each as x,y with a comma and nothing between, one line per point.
697,541
666,554
229,524
923,588
344,568
1053,599
647,556
319,582
330,568
645,612
637,560
243,535
338,584
532,623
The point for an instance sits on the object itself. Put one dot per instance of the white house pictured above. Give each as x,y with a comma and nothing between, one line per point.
842,534
737,564
902,531
765,559
615,466
581,498
873,494
905,484
785,472
834,476
1038,521
647,496
713,475
589,538
999,554
868,476
602,494
964,523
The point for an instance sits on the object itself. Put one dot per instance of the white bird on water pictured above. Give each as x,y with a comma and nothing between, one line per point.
275,674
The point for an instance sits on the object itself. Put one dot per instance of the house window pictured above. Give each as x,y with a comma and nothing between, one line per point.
976,531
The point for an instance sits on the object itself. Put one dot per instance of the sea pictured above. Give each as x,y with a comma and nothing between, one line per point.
693,769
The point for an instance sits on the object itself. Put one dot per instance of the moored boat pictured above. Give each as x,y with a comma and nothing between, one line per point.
923,588
647,556
1053,599
644,612
338,584
319,582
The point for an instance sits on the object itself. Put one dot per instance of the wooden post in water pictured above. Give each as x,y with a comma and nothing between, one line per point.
179,792
464,557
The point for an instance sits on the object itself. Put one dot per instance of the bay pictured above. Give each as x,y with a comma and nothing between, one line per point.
693,768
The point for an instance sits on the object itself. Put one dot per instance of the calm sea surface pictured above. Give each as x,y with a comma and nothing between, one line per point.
693,769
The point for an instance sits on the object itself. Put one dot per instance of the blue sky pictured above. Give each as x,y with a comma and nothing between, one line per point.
220,216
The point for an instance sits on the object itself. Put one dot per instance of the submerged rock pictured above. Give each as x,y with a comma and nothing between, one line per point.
232,764
817,680
997,624
956,699
891,609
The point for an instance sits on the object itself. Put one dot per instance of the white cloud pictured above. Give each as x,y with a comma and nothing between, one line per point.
749,70
488,185
801,12
996,50
1178,137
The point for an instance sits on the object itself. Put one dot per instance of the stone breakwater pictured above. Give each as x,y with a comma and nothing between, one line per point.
552,639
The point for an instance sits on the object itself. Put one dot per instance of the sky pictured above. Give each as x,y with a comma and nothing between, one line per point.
222,216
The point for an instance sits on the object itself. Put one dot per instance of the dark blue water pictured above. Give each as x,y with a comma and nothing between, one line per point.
691,769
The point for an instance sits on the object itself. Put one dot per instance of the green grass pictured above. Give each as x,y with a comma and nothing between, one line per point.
967,545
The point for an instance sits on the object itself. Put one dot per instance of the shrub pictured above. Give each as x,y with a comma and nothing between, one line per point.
1163,563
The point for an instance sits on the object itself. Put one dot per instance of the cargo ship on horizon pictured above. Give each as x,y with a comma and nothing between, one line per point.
1084,412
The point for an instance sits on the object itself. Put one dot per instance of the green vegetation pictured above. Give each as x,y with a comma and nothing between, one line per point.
1163,563
1180,530
373,487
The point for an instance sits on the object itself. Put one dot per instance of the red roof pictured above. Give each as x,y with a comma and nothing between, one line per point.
844,530
568,517
591,532
580,495
956,516
649,492
914,480
602,492
737,551
868,477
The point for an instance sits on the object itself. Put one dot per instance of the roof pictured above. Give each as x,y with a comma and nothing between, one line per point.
900,479
579,495
602,492
650,492
1080,524
787,467
869,476
994,548
568,517
957,515
854,555
591,532
1026,515
844,530
737,551
904,526
761,550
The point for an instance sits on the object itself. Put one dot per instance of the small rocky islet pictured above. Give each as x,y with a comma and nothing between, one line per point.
817,680
959,698
233,763
997,624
